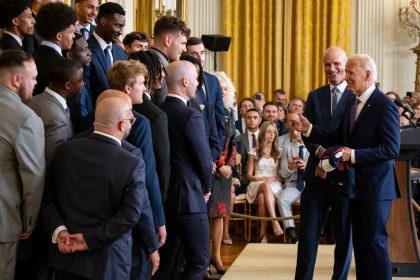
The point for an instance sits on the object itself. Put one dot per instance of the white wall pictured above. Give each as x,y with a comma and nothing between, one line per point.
376,31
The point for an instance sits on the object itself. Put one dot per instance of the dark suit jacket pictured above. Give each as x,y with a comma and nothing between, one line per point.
7,42
97,74
159,124
213,113
318,112
242,143
44,58
141,137
101,195
375,138
191,161
238,125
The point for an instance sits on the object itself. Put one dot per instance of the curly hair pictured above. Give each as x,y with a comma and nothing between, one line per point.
11,9
153,65
53,18
170,24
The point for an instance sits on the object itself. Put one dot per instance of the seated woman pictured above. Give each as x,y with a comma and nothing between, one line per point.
263,174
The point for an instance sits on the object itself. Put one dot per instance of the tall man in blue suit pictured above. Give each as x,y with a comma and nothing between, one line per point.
209,98
325,108
111,21
190,180
370,131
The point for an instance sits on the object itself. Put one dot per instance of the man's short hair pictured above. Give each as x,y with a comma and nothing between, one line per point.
170,24
63,70
13,59
270,103
108,9
193,41
280,91
53,18
10,9
253,110
125,72
133,36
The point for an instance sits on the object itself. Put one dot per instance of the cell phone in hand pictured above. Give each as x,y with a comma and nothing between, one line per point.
409,94
258,97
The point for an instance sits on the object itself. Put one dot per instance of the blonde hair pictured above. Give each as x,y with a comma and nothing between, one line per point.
275,153
124,73
230,98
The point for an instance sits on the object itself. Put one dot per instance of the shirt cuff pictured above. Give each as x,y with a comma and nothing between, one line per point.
56,232
308,133
353,156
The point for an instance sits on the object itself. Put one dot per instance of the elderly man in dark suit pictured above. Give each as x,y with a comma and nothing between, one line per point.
56,24
18,23
370,131
325,108
22,156
191,168
111,21
93,213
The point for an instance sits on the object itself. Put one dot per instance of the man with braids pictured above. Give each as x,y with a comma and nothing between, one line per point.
56,24
17,22
158,119
110,24
170,39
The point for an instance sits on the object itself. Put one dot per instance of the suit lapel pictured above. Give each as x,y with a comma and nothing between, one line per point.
54,100
365,111
97,51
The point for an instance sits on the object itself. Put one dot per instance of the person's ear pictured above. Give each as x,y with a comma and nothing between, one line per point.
167,39
67,85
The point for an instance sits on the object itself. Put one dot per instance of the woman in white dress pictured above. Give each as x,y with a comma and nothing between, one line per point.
263,174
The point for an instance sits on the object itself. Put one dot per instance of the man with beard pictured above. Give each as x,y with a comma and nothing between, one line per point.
111,21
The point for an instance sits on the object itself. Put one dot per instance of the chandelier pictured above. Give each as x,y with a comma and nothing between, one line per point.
165,8
409,16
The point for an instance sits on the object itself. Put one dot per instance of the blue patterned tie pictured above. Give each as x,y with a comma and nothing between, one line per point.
107,58
334,93
353,113
85,33
299,175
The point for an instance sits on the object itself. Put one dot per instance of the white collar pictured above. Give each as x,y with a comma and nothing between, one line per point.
368,92
87,27
179,97
107,135
15,37
256,132
341,87
53,46
101,41
60,99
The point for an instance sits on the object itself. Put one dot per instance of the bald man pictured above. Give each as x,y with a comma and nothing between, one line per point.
101,197
190,179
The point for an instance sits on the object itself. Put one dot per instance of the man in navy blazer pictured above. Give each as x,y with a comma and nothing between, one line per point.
370,131
318,195
90,215
190,180
111,21
209,98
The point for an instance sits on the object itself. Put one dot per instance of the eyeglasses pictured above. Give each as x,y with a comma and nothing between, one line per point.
132,120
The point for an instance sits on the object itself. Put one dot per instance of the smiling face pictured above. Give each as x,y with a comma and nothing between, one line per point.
358,78
111,27
334,65
88,10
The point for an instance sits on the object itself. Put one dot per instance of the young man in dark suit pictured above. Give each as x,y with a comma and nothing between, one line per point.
110,24
100,207
370,134
190,181
56,24
87,10
17,22
325,108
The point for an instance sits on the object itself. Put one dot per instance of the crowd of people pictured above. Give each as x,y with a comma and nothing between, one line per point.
123,159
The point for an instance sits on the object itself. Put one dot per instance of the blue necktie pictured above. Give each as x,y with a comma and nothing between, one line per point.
353,113
107,58
85,33
299,175
334,93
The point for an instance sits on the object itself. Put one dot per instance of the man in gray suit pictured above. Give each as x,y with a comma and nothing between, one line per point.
66,81
22,165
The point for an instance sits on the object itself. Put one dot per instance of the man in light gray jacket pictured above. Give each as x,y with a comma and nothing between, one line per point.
22,165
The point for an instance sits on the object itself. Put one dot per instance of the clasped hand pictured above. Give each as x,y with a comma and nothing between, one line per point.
70,243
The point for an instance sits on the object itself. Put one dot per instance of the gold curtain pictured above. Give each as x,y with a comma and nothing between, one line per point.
145,16
279,44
